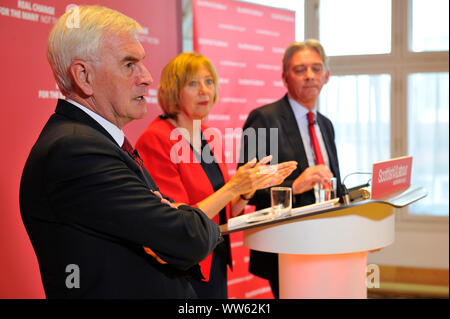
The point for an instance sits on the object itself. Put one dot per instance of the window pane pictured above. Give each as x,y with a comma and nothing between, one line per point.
359,107
429,25
355,27
428,140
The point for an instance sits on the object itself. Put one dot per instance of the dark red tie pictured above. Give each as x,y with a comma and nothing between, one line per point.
128,148
314,141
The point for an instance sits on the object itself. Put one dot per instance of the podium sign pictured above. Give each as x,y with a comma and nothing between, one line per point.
391,176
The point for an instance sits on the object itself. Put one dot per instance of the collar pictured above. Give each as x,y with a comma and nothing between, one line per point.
117,134
299,110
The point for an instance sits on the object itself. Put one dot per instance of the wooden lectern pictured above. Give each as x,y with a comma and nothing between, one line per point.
323,253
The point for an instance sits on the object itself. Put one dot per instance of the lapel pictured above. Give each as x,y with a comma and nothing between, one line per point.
224,170
220,161
290,126
72,112
194,171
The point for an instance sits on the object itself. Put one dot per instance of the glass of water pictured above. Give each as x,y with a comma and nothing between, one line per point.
329,191
281,201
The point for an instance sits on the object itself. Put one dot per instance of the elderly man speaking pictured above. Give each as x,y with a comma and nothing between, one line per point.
97,221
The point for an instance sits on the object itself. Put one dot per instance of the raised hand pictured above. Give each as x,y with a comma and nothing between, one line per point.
253,176
310,176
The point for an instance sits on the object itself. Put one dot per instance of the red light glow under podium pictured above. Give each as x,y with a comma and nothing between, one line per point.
323,276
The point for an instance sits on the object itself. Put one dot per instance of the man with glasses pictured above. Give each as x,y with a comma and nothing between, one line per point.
295,117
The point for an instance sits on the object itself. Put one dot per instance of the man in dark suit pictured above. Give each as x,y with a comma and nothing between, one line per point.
285,136
98,224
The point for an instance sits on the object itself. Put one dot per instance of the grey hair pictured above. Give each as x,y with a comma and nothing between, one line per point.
77,34
311,44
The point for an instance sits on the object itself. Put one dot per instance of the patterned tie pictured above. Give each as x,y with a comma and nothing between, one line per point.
128,148
314,141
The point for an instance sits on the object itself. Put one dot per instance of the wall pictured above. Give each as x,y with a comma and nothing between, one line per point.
418,244
29,93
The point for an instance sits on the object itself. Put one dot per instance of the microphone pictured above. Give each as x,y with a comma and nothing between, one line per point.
137,157
358,192
354,193
345,197
358,187
136,153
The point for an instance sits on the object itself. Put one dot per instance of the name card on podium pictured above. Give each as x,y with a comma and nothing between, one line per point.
391,176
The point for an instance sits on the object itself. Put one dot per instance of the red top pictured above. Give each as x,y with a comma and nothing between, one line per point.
176,170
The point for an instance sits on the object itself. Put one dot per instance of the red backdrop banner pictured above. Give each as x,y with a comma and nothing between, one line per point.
28,95
245,42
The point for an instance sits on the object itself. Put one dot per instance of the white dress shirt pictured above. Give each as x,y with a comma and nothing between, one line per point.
301,117
117,134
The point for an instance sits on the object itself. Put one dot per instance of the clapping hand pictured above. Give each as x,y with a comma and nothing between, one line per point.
258,175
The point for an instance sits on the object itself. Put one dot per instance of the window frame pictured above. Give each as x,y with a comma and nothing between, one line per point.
399,63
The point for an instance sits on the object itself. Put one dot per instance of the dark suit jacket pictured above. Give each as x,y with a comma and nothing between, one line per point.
286,146
86,202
